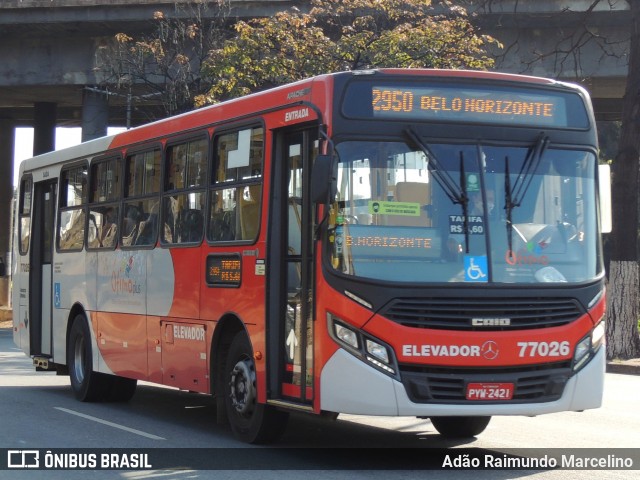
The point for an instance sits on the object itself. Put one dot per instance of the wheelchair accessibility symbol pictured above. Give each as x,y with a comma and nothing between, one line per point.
475,269
57,301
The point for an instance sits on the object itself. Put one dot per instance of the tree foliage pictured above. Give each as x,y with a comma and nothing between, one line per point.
338,35
164,66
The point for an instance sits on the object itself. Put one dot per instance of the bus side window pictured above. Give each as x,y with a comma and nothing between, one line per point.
250,211
73,199
141,207
25,214
105,191
102,231
147,228
222,218
236,190
184,198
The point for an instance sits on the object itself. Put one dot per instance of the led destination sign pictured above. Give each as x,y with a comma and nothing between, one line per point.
485,106
461,103
224,270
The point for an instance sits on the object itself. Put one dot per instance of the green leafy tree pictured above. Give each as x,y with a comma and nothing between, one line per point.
341,35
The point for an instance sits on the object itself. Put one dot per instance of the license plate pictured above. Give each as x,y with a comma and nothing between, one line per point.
489,391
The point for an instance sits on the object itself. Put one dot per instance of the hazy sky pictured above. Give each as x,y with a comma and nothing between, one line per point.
65,137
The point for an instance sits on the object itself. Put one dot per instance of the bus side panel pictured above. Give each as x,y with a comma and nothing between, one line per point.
160,282
120,318
154,349
122,340
121,282
21,304
247,302
188,270
185,356
74,278
160,292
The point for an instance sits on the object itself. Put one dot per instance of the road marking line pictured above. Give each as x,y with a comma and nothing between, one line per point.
110,424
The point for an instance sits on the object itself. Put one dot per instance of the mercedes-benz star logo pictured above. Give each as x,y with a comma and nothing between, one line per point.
489,350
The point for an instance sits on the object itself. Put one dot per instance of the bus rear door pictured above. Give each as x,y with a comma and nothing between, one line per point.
40,278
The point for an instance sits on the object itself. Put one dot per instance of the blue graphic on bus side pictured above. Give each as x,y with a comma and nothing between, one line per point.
475,268
56,295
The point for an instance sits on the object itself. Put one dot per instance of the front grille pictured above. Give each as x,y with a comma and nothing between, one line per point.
458,313
543,383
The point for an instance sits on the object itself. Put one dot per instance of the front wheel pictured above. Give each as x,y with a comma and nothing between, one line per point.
460,427
250,421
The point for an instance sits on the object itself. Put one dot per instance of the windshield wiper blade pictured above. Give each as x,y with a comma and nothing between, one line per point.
439,173
465,202
529,168
513,196
508,204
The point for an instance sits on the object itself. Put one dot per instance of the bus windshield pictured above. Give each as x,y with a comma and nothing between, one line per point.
444,212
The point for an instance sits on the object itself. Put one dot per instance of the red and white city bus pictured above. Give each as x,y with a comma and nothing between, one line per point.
393,242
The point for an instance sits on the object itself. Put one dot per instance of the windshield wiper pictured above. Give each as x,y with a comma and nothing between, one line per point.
465,202
513,196
456,195
437,171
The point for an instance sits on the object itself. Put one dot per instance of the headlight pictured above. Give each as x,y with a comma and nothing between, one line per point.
366,348
348,336
588,346
377,350
582,349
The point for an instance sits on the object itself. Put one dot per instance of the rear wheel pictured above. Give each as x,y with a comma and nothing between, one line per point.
250,421
460,427
87,385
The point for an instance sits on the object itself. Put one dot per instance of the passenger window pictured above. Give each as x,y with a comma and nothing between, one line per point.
236,194
102,230
26,187
73,198
185,194
139,223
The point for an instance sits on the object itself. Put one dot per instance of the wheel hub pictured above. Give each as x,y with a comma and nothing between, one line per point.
243,392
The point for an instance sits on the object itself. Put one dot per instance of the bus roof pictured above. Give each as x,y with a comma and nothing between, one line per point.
250,105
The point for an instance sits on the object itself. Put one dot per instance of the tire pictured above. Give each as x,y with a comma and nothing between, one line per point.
122,389
460,427
250,421
87,385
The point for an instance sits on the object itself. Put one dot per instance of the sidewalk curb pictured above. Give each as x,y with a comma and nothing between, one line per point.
625,367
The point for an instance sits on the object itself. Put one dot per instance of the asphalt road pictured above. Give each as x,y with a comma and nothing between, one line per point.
38,411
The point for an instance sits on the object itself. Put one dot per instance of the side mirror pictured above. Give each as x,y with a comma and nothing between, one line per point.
3,268
324,178
604,178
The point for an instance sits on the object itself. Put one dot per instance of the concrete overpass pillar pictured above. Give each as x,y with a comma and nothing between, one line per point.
7,144
95,114
44,127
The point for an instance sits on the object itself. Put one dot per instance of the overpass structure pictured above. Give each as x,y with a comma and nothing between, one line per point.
48,58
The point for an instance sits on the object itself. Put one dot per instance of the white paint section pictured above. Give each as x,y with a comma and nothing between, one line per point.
160,282
122,281
110,424
348,385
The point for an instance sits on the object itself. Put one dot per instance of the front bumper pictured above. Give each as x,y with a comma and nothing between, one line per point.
348,385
